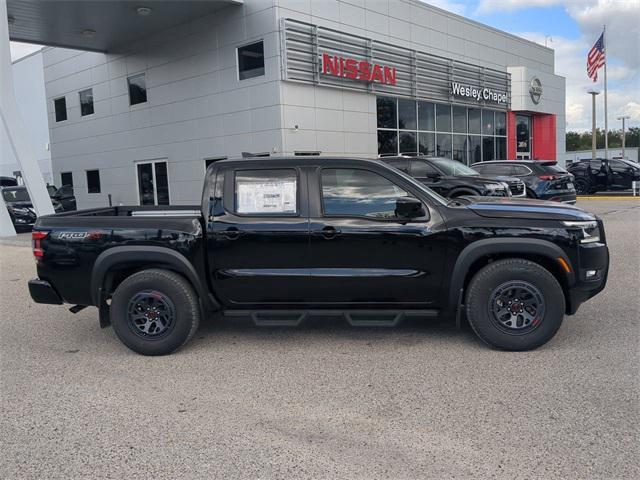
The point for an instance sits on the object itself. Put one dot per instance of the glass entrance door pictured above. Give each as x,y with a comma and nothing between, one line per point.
153,183
523,137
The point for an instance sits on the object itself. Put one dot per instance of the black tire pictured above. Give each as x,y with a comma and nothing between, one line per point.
582,187
172,304
510,275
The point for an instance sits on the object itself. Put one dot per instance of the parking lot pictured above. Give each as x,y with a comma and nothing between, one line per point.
325,400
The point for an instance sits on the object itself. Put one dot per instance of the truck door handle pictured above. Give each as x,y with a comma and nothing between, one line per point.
232,233
329,232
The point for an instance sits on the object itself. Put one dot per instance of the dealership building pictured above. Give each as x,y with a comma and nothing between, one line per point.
140,121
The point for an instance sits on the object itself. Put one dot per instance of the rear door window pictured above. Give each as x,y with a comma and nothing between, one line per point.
266,192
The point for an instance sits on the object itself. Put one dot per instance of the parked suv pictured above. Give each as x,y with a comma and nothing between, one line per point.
20,207
453,179
600,174
277,240
544,179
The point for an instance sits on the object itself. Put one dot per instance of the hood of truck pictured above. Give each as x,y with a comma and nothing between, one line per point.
526,208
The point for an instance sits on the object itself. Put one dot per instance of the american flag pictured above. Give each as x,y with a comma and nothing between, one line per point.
596,58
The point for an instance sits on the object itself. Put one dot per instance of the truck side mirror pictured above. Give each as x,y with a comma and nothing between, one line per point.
409,207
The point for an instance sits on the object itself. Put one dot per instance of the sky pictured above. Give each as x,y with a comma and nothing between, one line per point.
570,27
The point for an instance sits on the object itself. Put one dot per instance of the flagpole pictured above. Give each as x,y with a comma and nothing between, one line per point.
606,117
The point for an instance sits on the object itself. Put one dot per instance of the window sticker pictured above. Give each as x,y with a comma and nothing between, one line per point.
276,196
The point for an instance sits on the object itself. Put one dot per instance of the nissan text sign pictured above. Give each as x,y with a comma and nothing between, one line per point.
478,93
357,69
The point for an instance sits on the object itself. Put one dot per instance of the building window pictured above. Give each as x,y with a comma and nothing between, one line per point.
137,89
251,61
93,181
153,183
461,133
86,102
60,105
66,179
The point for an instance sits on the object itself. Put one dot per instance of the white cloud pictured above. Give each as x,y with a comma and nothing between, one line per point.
19,50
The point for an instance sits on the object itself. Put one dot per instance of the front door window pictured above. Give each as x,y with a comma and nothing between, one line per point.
153,183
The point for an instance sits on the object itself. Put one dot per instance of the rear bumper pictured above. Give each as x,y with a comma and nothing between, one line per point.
593,258
42,292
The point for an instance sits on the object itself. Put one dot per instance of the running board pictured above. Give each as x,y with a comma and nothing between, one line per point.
355,318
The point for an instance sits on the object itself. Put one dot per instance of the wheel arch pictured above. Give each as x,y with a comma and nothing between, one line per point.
460,191
126,260
482,252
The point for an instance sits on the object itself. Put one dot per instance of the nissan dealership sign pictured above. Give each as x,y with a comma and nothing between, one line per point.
478,94
354,69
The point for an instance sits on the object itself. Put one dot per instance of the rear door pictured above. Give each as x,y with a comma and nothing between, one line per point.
258,235
621,175
361,253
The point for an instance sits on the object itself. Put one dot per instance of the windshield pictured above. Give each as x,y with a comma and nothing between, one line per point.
15,195
451,167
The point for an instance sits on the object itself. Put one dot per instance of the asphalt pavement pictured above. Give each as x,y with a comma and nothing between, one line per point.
325,400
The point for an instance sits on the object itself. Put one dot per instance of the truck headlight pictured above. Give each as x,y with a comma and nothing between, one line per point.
494,186
589,229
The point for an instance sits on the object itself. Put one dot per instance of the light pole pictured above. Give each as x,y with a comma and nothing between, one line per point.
593,94
623,118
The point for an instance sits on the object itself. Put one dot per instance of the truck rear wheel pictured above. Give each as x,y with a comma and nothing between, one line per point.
155,312
515,304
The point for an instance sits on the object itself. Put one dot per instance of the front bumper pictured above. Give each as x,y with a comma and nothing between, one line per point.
593,258
42,292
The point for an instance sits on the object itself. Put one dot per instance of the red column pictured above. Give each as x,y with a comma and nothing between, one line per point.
544,137
511,136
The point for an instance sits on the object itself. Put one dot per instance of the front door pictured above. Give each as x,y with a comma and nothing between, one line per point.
361,253
258,235
523,137
153,183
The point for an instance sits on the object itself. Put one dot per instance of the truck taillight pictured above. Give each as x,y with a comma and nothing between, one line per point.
36,241
547,177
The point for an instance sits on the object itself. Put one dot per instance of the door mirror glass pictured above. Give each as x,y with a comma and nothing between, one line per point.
409,207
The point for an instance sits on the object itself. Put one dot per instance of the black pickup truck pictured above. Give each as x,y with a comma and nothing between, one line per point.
278,240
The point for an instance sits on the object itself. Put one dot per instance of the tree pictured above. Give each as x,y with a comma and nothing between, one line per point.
582,140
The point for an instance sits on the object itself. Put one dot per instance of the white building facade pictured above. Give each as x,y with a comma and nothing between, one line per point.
265,77
28,84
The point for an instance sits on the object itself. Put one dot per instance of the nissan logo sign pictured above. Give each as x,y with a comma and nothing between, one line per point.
535,90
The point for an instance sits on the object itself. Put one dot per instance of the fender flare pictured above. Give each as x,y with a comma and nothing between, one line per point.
488,246
156,256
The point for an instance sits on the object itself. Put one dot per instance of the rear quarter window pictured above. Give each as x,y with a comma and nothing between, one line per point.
266,192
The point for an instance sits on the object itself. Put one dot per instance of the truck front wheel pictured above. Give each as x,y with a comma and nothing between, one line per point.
155,312
515,304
